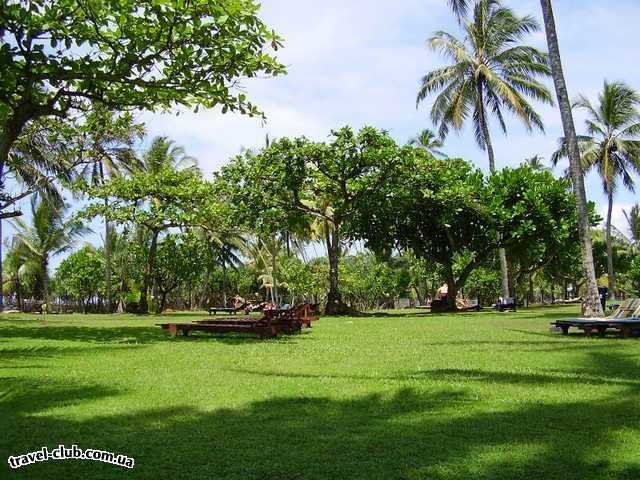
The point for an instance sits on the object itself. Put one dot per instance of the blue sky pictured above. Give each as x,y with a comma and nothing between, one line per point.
358,62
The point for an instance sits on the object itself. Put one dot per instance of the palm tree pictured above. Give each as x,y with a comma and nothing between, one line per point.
37,159
490,72
611,146
108,151
20,271
633,219
592,306
48,235
164,153
536,163
428,141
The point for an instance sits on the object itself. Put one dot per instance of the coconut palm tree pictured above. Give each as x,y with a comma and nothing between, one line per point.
428,141
536,162
37,162
164,153
48,235
592,306
633,220
21,272
491,71
611,146
108,151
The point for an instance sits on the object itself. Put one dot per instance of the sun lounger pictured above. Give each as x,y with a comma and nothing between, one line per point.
269,325
626,319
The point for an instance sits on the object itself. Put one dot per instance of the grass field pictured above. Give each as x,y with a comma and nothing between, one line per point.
481,396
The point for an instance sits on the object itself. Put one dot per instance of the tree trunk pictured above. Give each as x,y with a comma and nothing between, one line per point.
45,279
335,305
591,303
452,290
611,275
276,296
502,254
224,283
143,306
162,303
1,272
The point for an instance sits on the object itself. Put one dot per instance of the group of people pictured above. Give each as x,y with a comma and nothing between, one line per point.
241,303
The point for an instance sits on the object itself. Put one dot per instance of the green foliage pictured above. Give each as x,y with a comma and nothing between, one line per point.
490,72
368,283
80,276
144,54
447,212
157,200
483,284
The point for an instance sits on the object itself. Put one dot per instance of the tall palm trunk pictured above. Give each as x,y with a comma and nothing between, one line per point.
1,273
591,304
143,306
44,266
224,283
502,254
610,273
107,264
107,250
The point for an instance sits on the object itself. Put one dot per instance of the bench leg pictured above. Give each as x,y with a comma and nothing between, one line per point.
602,331
173,330
587,330
185,332
565,329
626,331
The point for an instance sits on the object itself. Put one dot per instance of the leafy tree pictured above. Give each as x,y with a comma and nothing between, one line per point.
591,304
611,146
21,273
447,212
49,234
490,72
40,156
57,57
80,276
294,183
157,202
176,263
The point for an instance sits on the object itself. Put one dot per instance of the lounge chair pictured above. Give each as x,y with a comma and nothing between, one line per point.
626,319
269,325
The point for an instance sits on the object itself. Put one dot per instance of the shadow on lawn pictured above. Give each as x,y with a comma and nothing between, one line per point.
407,435
124,335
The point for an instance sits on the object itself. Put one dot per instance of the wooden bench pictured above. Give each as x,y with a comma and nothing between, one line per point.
269,325
625,326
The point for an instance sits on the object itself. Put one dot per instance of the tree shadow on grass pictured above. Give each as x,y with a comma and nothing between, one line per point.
126,335
438,434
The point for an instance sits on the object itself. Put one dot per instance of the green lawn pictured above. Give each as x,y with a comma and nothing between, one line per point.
470,396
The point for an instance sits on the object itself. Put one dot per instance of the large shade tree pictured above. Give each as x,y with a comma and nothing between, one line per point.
611,146
294,183
491,72
447,212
